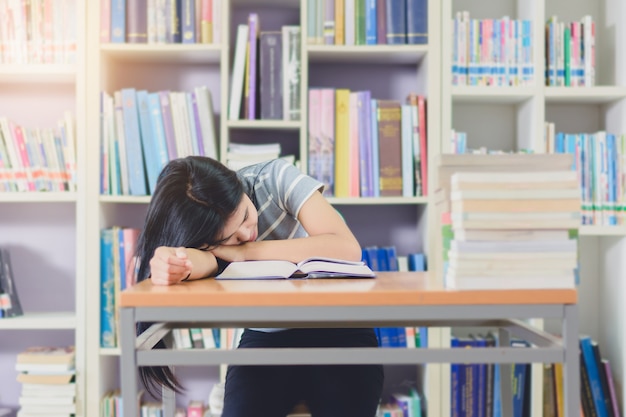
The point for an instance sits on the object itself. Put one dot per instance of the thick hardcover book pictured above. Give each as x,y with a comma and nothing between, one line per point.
238,73
396,22
9,300
291,72
271,72
390,148
188,23
417,21
136,21
308,268
118,21
134,151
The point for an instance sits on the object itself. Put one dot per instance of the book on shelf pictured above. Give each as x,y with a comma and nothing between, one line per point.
46,359
9,300
308,268
271,75
291,72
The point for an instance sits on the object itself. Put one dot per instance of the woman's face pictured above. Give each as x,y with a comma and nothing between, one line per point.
242,226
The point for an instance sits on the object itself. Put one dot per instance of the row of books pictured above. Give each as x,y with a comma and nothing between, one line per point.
117,272
141,131
599,161
360,146
265,81
196,338
570,52
367,22
47,376
598,393
475,387
10,305
403,405
492,52
160,21
37,32
111,406
38,159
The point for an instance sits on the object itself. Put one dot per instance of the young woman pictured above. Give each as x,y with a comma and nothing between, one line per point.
203,216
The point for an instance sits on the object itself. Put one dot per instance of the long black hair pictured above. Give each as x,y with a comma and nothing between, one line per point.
192,201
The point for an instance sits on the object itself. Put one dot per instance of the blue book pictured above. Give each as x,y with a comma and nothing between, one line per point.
134,152
396,22
191,121
118,21
119,235
173,24
455,383
417,21
148,142
417,262
391,257
370,22
158,129
594,376
372,257
107,290
188,15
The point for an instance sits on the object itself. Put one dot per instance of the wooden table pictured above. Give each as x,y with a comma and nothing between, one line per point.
392,299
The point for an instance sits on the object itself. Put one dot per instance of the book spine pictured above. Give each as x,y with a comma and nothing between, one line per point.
396,22
375,174
390,147
328,29
173,21
365,144
206,22
148,141
327,140
271,76
340,22
408,169
253,43
118,21
134,153
342,144
371,27
417,22
381,22
291,72
238,73
136,21
311,22
206,119
314,131
188,21
166,113
594,376
107,301
158,130
349,22
359,22
105,20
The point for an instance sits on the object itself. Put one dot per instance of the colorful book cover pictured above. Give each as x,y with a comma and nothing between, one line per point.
107,290
342,142
134,151
371,37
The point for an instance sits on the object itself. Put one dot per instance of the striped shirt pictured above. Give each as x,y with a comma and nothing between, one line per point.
278,190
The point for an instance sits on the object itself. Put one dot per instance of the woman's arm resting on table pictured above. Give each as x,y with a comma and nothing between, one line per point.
329,236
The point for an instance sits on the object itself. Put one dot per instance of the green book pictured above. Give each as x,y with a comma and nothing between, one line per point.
566,55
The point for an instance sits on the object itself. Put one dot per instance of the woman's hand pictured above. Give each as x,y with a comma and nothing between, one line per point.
169,265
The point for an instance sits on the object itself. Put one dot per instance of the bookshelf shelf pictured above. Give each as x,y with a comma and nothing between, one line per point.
125,199
587,95
110,352
40,321
508,95
38,197
166,53
367,54
264,124
40,74
602,231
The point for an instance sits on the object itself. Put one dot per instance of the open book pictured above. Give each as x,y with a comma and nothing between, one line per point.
308,268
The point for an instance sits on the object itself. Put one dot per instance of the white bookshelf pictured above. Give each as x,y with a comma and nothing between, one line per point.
45,231
511,118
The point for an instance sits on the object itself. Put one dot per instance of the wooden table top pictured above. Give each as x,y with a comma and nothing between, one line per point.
388,288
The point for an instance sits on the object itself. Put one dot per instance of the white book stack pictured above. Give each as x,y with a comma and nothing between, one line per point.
511,229
47,377
242,155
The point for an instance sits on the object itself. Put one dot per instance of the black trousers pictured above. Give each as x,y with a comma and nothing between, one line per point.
328,390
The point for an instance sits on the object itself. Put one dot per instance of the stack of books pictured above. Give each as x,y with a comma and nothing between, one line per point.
241,155
47,377
510,229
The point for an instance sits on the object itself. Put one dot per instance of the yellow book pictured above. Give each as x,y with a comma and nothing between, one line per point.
339,22
342,142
